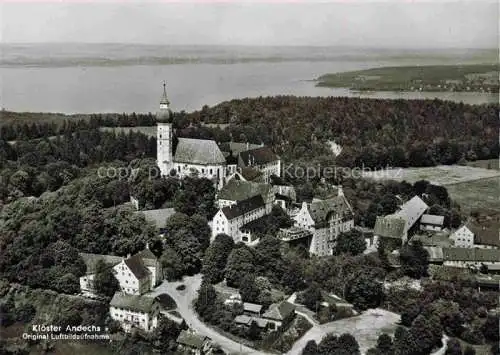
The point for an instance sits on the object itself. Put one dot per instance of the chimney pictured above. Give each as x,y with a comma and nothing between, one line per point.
147,245
128,256
340,191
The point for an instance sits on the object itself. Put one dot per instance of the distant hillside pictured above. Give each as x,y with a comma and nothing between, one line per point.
476,78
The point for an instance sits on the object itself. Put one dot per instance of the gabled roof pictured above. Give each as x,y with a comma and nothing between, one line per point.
279,311
258,156
236,148
435,254
471,254
485,236
250,173
91,261
252,307
320,210
243,207
238,190
192,340
147,257
412,210
158,217
198,151
137,267
432,219
390,227
141,304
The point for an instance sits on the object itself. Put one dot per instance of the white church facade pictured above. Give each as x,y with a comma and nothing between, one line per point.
202,158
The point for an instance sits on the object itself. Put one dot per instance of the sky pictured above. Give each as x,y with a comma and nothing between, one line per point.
391,24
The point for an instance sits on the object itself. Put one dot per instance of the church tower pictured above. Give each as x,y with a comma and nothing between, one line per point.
164,158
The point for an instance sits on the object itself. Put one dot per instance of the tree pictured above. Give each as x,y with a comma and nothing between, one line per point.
239,263
414,260
312,297
351,242
165,335
105,282
311,348
347,345
453,347
364,292
384,344
253,332
205,304
248,289
425,334
216,257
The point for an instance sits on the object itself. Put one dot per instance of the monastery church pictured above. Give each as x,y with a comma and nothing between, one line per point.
204,158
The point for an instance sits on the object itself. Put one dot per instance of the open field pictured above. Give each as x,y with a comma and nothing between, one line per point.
438,175
479,194
365,328
485,164
477,77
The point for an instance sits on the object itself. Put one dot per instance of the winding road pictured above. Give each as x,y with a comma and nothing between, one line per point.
184,299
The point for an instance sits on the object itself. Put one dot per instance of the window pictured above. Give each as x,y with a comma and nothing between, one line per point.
210,171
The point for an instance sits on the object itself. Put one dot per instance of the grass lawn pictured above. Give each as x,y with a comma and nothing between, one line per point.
439,175
480,194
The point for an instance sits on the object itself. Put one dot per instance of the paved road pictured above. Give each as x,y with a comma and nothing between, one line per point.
184,300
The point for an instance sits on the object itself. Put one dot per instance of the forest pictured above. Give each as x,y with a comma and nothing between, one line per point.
373,133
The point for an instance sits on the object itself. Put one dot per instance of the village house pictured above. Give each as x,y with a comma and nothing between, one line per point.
193,343
230,219
430,222
252,309
158,217
91,260
463,237
239,190
262,159
133,276
471,257
136,274
134,311
325,219
394,228
279,315
474,236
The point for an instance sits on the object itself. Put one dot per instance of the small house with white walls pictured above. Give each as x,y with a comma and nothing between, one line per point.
325,219
431,223
133,276
134,311
463,237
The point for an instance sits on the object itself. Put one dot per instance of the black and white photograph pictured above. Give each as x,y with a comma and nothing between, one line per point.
252,177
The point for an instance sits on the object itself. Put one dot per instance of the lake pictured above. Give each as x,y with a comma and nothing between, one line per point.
72,82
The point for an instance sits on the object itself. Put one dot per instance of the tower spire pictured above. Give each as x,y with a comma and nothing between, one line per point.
164,98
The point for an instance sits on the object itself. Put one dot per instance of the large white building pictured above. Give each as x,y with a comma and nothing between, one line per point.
325,219
230,219
136,275
203,157
396,226
133,311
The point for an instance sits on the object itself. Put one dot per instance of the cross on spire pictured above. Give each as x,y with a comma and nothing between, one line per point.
164,99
